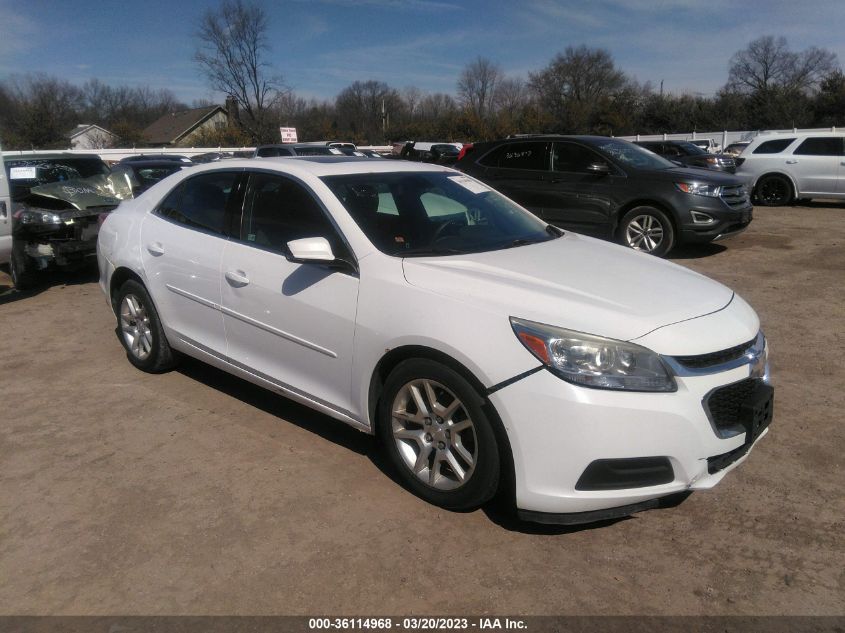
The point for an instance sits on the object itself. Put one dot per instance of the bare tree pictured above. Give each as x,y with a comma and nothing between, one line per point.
359,108
510,95
574,83
233,42
768,64
477,85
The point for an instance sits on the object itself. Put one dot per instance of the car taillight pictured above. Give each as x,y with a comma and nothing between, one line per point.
464,150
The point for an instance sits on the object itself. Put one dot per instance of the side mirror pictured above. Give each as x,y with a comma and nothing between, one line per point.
600,169
311,249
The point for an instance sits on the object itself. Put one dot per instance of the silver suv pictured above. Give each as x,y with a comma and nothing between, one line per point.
783,168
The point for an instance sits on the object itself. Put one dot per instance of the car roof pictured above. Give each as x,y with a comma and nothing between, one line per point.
9,156
323,165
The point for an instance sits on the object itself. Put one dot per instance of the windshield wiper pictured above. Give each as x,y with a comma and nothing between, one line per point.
411,252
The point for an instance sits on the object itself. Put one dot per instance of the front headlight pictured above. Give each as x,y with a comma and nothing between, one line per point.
594,361
699,189
37,216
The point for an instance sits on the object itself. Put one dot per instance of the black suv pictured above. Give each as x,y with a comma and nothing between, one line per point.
690,154
612,189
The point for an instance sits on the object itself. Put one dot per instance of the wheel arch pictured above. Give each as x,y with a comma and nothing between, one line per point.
392,358
119,277
776,172
645,202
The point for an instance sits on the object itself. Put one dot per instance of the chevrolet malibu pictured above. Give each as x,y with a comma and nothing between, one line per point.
487,350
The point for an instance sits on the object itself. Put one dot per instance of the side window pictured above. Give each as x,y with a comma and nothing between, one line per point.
279,210
531,155
821,146
569,157
672,150
200,202
773,147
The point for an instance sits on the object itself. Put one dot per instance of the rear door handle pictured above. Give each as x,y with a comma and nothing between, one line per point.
237,278
155,249
791,162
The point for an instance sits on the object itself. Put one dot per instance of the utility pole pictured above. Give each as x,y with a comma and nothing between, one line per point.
661,87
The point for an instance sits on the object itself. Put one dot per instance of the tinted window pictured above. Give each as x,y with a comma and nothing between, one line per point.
773,147
689,149
200,202
519,156
279,210
317,151
570,157
633,155
420,213
821,146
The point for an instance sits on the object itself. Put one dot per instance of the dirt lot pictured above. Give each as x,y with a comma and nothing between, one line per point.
196,493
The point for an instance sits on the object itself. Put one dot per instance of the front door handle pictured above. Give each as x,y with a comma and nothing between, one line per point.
155,249
237,278
791,162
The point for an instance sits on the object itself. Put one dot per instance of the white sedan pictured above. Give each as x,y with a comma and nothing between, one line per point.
487,350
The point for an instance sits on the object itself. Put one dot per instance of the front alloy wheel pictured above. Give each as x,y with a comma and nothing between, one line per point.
434,434
644,233
437,431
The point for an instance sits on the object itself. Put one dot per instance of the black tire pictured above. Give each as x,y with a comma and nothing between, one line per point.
483,478
773,190
159,357
20,268
647,229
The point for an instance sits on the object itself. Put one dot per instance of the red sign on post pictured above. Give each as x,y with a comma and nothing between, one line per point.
288,134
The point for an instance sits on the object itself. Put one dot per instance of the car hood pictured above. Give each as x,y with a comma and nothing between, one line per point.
574,282
81,193
686,174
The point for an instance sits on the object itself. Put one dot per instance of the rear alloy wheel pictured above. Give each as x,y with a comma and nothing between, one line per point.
647,229
140,330
20,268
773,191
436,433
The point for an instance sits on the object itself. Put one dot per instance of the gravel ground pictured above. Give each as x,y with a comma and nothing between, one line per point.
194,492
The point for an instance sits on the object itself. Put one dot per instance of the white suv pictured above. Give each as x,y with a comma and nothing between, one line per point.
487,349
782,168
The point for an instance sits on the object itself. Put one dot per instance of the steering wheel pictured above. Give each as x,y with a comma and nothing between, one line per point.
441,230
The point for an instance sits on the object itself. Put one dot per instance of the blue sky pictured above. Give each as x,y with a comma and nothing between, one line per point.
320,46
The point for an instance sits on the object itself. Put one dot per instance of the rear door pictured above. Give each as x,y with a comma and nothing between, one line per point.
182,243
518,170
816,164
5,215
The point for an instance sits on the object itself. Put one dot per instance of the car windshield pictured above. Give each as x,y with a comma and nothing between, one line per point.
26,173
408,214
633,155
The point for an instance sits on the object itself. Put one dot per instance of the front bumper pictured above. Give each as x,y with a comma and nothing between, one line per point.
557,430
728,222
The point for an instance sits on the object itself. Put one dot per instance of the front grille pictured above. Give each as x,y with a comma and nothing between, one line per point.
724,404
735,196
703,361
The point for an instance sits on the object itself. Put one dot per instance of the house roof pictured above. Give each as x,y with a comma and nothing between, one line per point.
173,126
84,127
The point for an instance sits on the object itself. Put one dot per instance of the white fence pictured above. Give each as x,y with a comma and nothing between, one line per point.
116,154
723,138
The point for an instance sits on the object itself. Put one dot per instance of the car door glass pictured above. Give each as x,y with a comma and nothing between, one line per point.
200,202
773,147
279,210
527,155
572,158
820,146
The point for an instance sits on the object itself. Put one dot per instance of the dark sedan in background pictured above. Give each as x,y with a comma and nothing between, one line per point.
690,154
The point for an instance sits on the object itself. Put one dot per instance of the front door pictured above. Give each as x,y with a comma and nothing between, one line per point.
288,322
517,170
